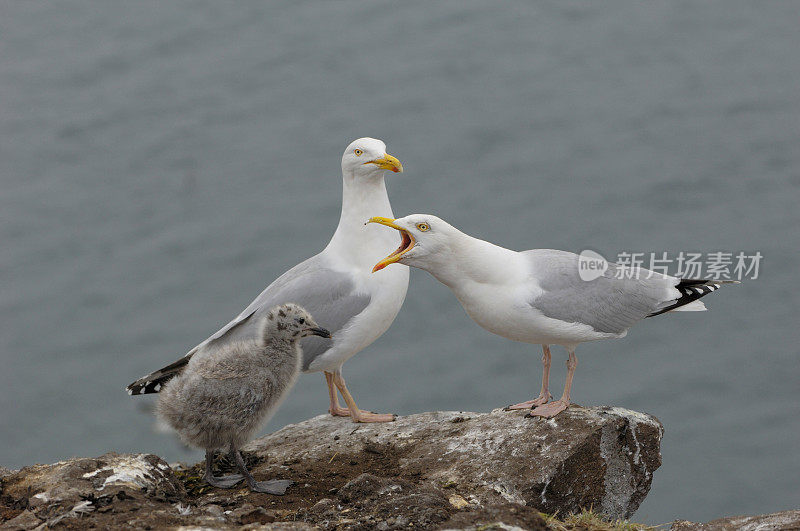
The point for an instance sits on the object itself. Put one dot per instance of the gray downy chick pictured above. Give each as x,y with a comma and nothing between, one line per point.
225,395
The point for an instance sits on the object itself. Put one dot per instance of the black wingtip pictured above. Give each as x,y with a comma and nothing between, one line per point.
154,382
134,389
692,289
147,387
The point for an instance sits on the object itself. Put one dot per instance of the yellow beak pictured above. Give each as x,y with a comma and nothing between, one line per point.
407,242
387,162
389,222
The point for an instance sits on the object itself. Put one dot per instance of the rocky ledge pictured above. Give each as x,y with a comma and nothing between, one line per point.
431,470
782,521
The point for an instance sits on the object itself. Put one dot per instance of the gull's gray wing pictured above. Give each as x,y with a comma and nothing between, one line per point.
611,303
330,296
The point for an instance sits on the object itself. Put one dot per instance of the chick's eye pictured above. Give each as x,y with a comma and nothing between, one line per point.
301,320
358,152
423,227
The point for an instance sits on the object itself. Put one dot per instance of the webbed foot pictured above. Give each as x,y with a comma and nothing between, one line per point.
225,482
549,410
275,486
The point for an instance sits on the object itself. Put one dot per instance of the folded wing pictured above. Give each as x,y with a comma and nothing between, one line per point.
330,296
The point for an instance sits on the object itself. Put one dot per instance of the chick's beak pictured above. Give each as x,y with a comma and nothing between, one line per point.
319,331
387,162
407,243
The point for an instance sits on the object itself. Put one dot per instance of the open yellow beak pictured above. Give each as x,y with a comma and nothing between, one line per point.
387,162
407,242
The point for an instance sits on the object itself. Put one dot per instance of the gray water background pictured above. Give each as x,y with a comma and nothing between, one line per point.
162,162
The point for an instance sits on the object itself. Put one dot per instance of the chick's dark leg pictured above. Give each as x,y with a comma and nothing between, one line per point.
274,486
225,482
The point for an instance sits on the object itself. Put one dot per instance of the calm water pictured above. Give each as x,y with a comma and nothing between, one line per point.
162,162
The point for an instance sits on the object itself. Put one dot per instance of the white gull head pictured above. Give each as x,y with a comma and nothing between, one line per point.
367,157
426,241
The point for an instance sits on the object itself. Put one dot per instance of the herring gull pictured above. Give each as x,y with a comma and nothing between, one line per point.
335,286
539,296
224,395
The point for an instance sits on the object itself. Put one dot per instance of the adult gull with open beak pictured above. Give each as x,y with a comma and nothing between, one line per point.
539,296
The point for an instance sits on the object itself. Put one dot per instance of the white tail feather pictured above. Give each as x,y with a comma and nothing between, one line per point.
694,306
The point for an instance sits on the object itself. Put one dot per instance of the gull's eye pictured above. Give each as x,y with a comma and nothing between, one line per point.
423,227
301,320
358,152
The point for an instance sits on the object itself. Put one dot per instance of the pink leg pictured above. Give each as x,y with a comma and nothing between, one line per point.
358,415
554,408
335,409
544,395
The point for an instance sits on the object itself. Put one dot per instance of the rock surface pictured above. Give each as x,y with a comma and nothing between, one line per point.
782,521
431,470
74,489
598,457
